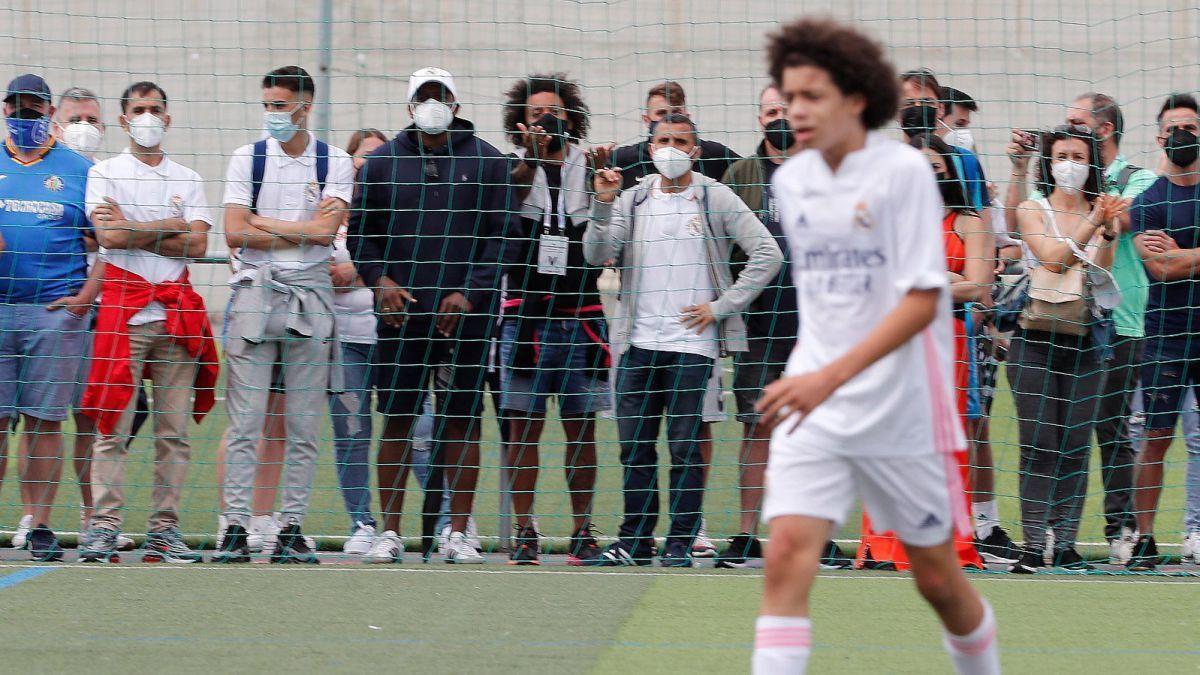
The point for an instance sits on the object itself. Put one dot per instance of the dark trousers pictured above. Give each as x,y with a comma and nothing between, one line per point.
1113,437
1055,382
649,385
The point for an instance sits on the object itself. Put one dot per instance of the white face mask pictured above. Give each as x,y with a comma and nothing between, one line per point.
83,137
671,162
147,130
1069,175
433,117
961,138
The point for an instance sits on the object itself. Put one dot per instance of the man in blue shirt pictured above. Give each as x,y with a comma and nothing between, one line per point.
1165,220
45,294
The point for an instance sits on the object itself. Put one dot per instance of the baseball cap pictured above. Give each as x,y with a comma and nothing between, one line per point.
426,75
30,84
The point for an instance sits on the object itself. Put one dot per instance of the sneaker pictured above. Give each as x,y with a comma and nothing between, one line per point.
1145,555
234,548
832,558
123,543
262,534
525,548
1031,560
702,546
43,545
361,541
1069,559
678,554
583,546
168,546
20,537
1190,553
472,534
618,554
387,548
997,547
459,551
1120,547
100,545
291,547
743,551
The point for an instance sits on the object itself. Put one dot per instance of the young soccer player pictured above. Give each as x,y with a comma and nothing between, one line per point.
866,407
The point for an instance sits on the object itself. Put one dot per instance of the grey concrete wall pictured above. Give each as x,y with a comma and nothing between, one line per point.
1020,58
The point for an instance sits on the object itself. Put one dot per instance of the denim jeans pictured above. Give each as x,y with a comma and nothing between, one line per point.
352,450
651,384
1191,439
422,454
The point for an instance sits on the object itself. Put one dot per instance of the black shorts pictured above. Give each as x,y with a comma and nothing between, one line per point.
405,359
754,369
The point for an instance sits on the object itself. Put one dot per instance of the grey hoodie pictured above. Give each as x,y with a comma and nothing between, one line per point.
610,236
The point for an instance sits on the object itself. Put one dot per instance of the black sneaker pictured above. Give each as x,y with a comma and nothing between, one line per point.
677,554
1145,555
290,548
583,546
234,548
525,548
1031,560
43,545
1069,559
997,547
618,554
743,551
100,546
832,558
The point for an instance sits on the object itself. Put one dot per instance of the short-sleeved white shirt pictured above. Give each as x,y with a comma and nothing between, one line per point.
146,193
290,191
860,240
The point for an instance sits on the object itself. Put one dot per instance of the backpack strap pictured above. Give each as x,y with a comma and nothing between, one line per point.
1125,176
322,165
258,167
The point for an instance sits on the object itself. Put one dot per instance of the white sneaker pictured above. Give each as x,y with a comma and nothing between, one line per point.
21,536
473,534
444,539
222,525
1120,548
262,534
1191,548
385,549
459,551
361,541
702,546
123,543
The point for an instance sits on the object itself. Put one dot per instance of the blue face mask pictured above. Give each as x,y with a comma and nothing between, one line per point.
28,128
280,125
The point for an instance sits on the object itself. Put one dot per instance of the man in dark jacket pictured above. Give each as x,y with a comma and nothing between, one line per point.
431,214
634,160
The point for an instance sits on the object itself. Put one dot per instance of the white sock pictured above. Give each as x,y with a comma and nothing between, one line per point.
987,516
978,652
781,645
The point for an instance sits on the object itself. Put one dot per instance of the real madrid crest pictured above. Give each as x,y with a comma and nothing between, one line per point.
862,216
312,192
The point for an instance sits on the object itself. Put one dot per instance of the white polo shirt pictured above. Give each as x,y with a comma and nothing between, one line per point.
860,240
289,192
146,193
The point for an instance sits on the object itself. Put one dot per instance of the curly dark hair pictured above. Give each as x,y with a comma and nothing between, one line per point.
854,61
1091,187
558,83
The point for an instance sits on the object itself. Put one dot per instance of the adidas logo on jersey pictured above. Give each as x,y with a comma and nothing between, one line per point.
931,520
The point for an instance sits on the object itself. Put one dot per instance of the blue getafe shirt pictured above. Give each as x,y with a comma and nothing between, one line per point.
42,222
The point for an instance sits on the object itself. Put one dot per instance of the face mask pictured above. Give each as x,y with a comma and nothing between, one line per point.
1181,148
280,126
28,128
918,119
83,137
147,130
672,162
960,138
433,117
556,128
779,134
951,195
1069,175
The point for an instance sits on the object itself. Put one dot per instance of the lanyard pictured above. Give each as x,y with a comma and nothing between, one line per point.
561,211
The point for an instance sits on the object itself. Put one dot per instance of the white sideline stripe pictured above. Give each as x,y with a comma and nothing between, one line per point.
1004,578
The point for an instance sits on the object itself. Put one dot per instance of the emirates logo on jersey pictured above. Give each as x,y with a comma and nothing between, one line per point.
862,216
53,183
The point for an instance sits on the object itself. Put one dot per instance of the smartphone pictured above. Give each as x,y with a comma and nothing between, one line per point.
1031,138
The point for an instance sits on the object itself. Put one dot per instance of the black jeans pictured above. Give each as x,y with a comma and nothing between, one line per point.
649,385
1055,382
1113,437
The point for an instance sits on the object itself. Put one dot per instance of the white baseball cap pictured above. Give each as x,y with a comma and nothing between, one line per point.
426,75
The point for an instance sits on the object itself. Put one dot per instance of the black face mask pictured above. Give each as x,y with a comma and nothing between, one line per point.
1181,148
918,119
556,128
779,134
